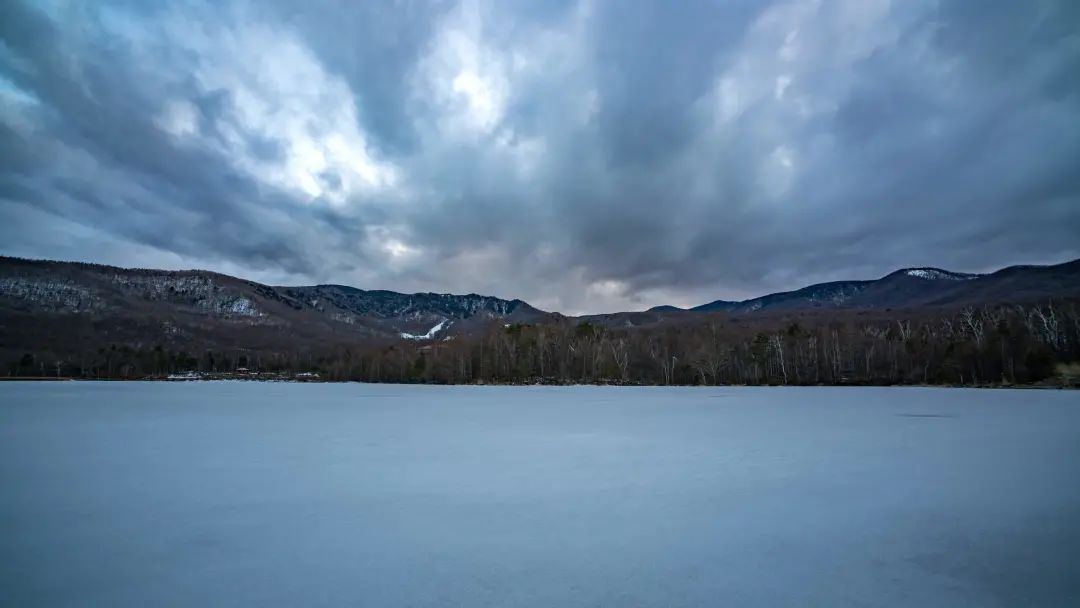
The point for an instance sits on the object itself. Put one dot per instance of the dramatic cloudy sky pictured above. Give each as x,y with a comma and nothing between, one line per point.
584,155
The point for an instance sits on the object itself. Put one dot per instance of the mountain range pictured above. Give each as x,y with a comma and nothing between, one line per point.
43,301
913,287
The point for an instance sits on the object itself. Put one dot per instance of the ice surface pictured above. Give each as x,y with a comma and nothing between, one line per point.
261,494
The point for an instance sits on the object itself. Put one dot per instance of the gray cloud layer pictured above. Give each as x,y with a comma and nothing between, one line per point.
585,156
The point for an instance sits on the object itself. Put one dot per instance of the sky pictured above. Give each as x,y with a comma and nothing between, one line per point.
583,155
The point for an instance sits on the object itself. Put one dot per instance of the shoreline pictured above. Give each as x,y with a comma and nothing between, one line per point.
1039,386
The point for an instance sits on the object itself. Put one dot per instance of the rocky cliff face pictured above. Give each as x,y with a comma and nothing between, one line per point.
186,303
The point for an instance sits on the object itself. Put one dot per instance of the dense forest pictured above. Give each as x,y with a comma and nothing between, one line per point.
991,345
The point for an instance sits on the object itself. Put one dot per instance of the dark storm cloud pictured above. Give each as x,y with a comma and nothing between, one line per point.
651,63
372,45
101,159
581,155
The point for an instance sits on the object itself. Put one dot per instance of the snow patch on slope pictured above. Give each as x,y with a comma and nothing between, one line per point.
243,307
51,294
430,333
933,274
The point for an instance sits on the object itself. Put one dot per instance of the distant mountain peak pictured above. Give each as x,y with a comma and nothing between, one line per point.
937,274
666,308
202,300
919,286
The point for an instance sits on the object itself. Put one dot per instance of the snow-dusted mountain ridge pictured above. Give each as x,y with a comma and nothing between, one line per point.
149,304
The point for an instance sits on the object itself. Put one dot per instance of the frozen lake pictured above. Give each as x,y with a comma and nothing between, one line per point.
250,494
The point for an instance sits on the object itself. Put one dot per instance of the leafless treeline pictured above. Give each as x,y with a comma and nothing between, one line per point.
971,346
987,345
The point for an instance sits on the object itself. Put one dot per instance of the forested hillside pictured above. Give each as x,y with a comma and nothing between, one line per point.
970,346
1017,326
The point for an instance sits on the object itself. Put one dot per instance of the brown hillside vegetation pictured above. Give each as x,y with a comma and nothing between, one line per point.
87,321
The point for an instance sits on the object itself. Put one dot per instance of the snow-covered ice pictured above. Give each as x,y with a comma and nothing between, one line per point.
272,494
